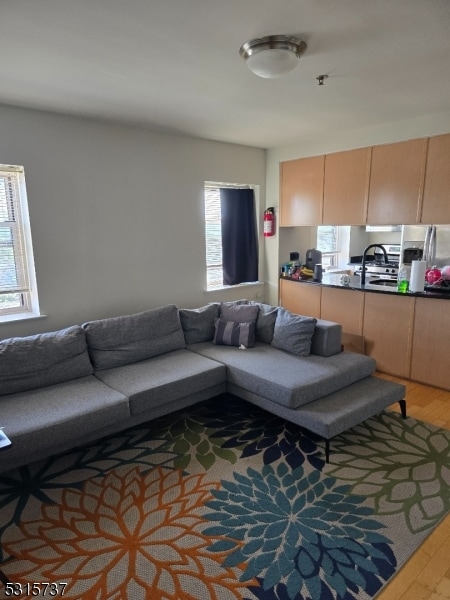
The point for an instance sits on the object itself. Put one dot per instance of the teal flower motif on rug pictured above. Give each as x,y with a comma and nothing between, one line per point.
302,535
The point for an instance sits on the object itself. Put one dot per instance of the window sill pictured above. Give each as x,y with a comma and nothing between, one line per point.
23,316
239,286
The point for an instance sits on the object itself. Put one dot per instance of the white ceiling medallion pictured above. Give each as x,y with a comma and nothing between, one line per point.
273,55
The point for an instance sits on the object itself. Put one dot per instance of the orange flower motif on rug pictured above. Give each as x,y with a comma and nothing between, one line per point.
127,535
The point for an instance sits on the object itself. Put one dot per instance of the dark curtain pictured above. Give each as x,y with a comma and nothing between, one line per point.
239,236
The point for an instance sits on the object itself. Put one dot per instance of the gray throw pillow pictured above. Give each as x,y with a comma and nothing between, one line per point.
198,323
229,333
123,340
239,313
293,333
265,323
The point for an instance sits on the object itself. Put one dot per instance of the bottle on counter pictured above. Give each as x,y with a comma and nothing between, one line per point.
403,279
318,271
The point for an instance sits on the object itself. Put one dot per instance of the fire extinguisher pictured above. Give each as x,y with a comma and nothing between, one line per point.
269,222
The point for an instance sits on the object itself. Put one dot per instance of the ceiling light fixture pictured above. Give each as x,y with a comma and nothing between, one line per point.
273,55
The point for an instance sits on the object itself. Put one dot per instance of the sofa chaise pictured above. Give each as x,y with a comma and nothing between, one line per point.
62,389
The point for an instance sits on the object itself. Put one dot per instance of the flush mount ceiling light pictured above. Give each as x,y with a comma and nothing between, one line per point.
273,55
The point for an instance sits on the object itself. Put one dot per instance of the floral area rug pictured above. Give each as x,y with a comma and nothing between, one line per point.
225,501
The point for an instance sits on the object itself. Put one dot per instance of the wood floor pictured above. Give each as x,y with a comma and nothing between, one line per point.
426,576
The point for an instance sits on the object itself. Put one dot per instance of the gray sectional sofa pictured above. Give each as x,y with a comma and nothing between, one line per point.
65,388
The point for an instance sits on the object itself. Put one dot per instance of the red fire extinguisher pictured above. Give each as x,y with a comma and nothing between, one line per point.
269,222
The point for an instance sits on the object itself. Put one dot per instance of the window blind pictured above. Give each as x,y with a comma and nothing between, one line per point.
13,263
328,244
213,235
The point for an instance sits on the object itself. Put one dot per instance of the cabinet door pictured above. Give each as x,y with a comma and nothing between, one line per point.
301,191
396,182
436,195
387,329
430,360
300,298
344,307
346,187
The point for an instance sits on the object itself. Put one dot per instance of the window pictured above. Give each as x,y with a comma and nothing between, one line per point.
18,292
328,244
230,235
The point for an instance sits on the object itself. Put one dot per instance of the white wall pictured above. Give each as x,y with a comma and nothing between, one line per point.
117,214
302,238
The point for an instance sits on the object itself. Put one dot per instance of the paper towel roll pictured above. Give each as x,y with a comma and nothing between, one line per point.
417,281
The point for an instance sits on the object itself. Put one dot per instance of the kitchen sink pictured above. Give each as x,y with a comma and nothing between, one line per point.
384,282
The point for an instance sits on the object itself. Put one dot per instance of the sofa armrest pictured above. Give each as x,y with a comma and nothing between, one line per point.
327,338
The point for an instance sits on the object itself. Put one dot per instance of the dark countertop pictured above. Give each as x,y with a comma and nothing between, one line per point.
334,280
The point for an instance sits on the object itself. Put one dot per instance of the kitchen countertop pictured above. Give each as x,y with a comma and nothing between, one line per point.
334,280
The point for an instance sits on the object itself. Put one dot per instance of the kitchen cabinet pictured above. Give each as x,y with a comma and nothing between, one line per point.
300,298
346,187
396,182
345,307
436,195
301,191
387,330
430,352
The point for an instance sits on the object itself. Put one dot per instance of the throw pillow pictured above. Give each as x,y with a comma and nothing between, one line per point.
265,323
233,302
239,313
293,333
198,323
229,333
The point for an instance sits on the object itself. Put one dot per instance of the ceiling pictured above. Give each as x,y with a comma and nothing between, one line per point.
174,65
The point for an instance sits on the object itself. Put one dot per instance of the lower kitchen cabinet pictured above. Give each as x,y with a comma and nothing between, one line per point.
406,335
345,307
300,298
430,362
387,330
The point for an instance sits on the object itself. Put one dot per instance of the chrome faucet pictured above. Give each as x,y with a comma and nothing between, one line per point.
363,266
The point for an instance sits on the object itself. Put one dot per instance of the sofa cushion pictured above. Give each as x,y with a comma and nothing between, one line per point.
286,378
239,313
198,323
54,418
37,361
122,340
164,379
229,333
265,323
293,333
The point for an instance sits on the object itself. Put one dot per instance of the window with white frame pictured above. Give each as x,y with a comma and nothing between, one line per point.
328,244
18,293
215,269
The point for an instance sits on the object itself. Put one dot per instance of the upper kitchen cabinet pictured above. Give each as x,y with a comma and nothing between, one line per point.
346,187
436,195
301,191
396,182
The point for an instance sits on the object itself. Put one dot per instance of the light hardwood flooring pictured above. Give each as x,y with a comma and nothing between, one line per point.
426,575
